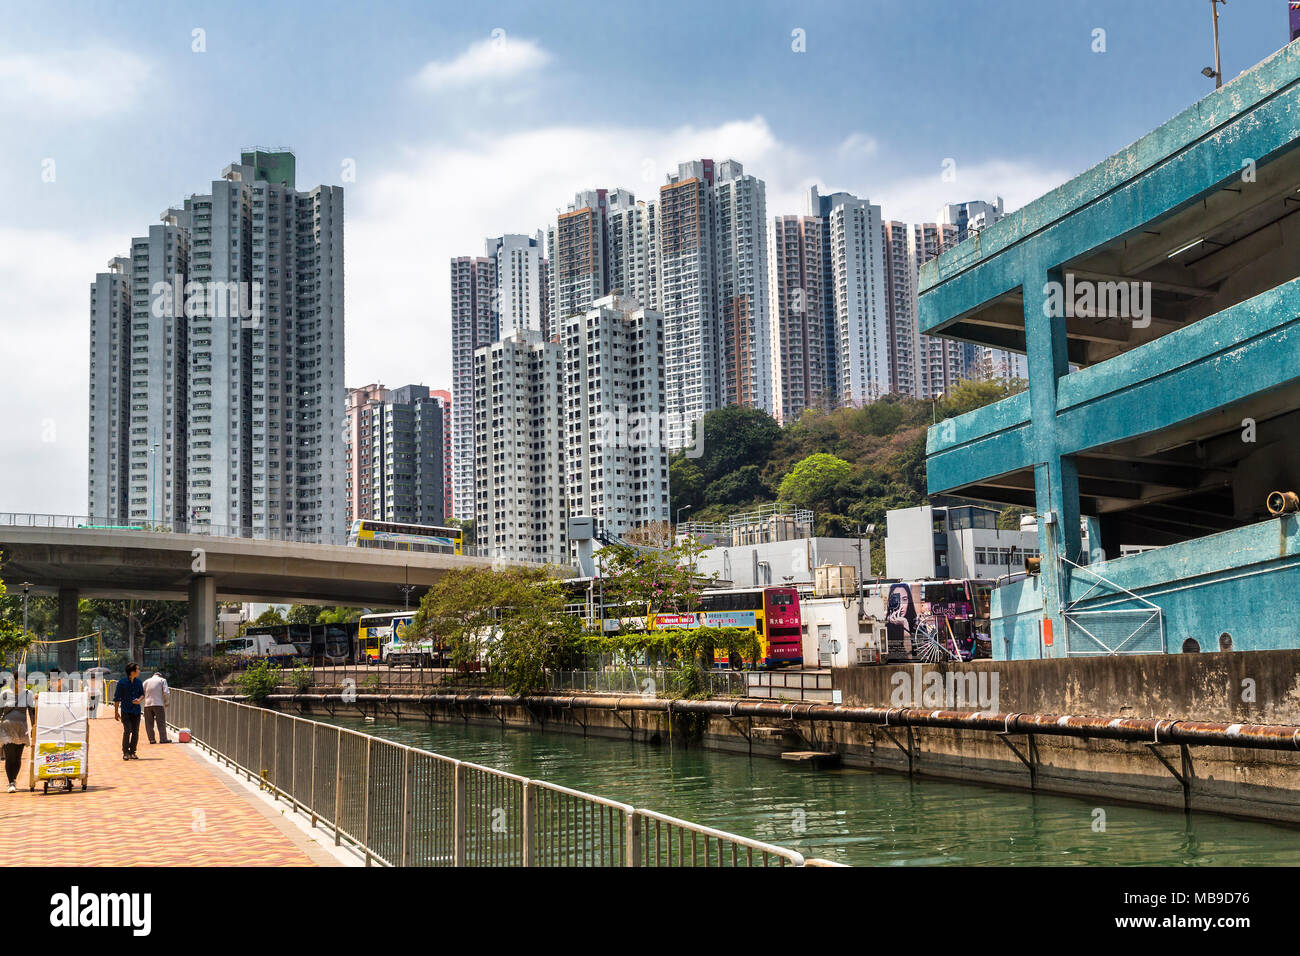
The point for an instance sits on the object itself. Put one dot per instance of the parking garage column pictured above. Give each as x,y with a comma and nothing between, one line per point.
1056,478
201,629
67,648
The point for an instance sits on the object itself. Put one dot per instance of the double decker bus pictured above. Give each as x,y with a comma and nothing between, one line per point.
933,620
773,613
366,533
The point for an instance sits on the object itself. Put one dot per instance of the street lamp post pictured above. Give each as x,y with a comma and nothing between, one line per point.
1217,70
153,510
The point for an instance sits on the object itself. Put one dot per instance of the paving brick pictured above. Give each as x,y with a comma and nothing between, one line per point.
169,808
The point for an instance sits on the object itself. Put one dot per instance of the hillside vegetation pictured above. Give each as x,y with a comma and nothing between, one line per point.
849,466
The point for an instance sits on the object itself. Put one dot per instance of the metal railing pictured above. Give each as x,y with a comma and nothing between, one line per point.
401,806
16,519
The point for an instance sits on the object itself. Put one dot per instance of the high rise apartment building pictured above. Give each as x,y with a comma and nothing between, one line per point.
800,363
743,312
522,284
856,248
443,397
474,324
519,448
687,297
941,363
616,457
900,297
110,395
236,362
394,450
632,246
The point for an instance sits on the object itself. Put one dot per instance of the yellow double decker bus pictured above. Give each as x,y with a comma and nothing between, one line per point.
394,536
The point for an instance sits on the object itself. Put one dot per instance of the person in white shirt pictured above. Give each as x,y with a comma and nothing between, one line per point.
156,694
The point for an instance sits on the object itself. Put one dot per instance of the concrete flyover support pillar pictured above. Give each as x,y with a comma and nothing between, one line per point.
68,600
201,629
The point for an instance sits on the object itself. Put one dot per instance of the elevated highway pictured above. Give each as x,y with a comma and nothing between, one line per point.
79,562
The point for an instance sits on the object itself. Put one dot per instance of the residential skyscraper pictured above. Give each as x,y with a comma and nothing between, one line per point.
393,441
110,395
632,244
474,324
575,251
856,248
941,363
799,333
521,275
688,298
236,359
742,287
616,456
443,397
519,448
900,297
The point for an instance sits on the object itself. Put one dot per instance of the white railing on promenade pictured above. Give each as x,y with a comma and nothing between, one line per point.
401,806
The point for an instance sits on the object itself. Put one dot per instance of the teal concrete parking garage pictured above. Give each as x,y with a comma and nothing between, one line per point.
1157,298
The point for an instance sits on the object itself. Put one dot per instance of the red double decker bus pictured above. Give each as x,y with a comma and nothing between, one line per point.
773,613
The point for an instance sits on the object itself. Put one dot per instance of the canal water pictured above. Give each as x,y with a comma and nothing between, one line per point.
861,817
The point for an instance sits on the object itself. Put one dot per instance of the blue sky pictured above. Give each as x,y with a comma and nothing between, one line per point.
463,121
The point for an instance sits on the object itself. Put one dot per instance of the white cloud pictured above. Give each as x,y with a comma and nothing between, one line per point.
45,279
486,61
437,202
409,213
918,198
857,145
99,81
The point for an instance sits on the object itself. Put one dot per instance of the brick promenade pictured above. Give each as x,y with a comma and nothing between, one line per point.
169,808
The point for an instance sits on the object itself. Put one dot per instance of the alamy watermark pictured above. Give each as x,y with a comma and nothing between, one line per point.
938,690
638,430
194,299
1108,299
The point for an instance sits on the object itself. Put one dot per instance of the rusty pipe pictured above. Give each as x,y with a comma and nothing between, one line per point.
1128,729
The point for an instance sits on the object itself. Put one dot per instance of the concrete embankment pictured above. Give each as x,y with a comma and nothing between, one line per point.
1140,745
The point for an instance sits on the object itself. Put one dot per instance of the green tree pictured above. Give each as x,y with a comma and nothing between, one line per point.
13,639
736,436
513,621
635,582
340,615
304,614
742,486
817,481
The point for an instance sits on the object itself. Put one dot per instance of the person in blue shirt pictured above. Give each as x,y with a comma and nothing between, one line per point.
127,697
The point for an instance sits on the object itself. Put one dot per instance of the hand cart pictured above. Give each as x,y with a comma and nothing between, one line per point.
60,740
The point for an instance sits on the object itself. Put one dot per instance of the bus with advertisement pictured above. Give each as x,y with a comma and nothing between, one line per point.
932,620
395,536
773,613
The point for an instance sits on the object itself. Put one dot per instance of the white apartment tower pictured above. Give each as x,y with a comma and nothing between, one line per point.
110,395
900,297
519,448
237,359
856,244
742,287
474,324
941,363
616,458
521,274
799,333
687,297
632,245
